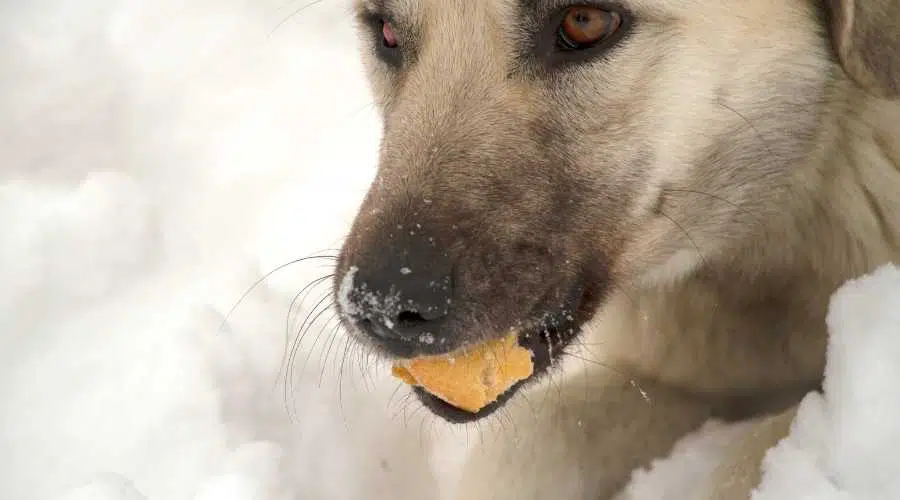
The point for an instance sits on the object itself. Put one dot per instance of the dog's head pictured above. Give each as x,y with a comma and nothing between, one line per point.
539,153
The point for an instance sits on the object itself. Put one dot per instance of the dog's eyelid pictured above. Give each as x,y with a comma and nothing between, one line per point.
388,39
371,7
556,49
377,20
547,8
374,17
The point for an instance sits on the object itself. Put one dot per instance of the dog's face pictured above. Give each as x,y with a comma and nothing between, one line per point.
539,153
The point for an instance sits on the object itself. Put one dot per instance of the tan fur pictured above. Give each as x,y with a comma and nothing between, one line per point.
739,473
735,172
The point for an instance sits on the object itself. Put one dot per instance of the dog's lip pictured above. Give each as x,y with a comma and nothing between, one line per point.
544,353
546,339
458,416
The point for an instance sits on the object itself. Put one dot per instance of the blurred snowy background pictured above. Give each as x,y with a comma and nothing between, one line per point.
157,157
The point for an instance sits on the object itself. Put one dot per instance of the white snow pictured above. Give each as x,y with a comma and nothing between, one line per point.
676,476
159,157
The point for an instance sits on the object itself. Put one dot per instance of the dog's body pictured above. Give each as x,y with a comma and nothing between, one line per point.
703,184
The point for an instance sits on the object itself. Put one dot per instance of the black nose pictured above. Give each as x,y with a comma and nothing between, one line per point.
401,295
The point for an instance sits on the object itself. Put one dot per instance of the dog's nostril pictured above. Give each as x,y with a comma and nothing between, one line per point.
409,319
408,326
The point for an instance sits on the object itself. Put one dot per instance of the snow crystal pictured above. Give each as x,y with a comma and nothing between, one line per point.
383,304
345,290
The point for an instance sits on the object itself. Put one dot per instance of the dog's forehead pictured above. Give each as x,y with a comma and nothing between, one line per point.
415,12
450,11
412,6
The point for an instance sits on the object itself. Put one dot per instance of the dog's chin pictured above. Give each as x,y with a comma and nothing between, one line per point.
547,339
455,415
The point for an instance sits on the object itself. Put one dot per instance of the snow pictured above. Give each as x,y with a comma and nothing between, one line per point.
675,477
157,158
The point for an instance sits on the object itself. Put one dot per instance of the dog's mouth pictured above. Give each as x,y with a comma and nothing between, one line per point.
547,337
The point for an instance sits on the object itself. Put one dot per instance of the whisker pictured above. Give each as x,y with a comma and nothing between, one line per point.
631,380
349,342
419,408
285,5
356,354
312,348
594,362
551,384
749,124
527,401
316,341
264,278
703,193
365,364
787,186
688,235
425,417
479,428
289,363
292,14
507,417
394,394
405,402
433,429
287,322
334,335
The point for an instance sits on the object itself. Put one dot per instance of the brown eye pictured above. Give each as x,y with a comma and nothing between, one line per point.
584,26
387,32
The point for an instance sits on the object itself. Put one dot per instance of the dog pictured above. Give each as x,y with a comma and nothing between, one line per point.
660,196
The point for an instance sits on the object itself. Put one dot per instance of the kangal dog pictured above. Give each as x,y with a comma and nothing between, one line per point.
660,195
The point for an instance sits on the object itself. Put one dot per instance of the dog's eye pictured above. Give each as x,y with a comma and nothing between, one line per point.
583,27
389,38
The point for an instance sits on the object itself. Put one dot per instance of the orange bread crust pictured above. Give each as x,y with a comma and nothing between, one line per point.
472,379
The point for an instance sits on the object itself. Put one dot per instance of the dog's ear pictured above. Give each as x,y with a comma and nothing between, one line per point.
866,37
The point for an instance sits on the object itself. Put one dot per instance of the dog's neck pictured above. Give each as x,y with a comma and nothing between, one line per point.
869,131
839,220
859,185
848,192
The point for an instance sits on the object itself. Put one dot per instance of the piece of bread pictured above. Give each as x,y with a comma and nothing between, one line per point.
471,379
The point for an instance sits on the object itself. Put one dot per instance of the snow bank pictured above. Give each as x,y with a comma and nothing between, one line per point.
158,157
